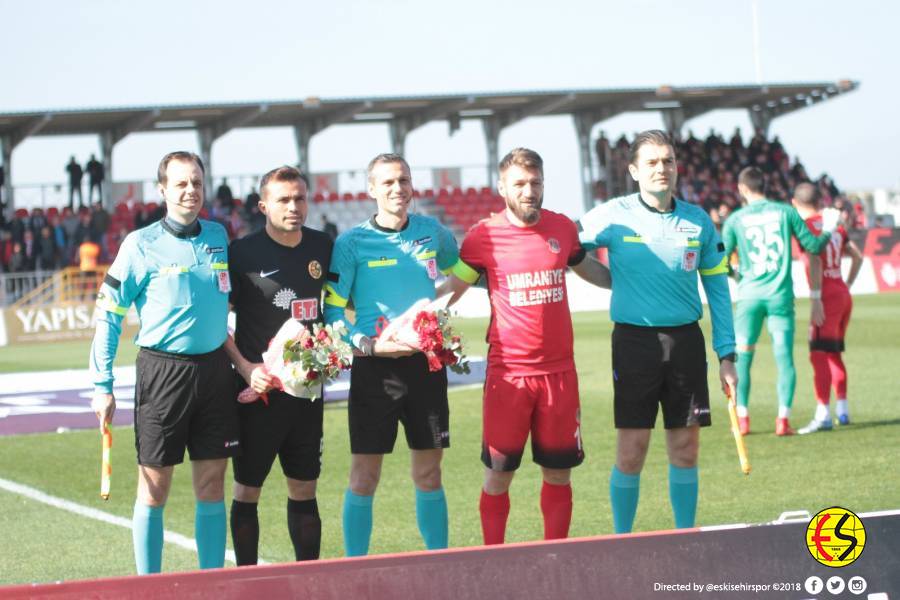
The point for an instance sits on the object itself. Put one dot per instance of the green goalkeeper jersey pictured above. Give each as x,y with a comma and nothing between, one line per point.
761,232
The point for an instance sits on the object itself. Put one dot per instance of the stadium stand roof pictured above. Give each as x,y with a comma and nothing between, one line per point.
403,114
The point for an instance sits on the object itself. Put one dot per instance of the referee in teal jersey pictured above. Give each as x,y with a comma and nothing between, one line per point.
659,247
384,266
175,272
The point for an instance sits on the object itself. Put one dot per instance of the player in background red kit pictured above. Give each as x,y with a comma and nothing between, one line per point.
830,311
531,385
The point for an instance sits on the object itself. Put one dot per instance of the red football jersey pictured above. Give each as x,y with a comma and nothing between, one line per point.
530,332
832,279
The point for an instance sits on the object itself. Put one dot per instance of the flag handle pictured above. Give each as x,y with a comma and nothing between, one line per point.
736,431
105,465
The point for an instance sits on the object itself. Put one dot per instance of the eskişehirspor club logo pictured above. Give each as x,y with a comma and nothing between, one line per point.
835,537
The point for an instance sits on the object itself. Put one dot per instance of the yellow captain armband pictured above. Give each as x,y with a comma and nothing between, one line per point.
219,266
719,269
465,272
332,298
107,304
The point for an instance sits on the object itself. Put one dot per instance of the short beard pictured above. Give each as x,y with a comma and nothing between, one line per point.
527,215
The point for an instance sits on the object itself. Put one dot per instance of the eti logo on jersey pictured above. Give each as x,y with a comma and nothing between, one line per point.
305,309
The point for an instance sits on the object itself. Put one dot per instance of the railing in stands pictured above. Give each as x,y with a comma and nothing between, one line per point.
71,284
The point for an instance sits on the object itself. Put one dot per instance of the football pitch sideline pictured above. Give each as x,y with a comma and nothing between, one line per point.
853,466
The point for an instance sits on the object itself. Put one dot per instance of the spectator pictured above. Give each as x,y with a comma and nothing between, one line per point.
144,217
60,239
6,248
75,176
235,224
18,262
37,220
96,174
29,249
47,258
99,226
17,228
70,227
255,219
224,194
83,231
329,228
88,255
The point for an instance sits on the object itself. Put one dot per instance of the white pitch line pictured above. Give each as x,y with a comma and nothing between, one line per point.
99,515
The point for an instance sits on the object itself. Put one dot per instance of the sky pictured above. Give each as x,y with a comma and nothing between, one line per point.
96,53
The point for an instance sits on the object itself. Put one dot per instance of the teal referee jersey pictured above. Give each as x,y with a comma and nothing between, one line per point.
384,272
179,285
654,260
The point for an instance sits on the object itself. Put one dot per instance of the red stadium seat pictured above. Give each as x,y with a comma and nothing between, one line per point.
318,197
362,195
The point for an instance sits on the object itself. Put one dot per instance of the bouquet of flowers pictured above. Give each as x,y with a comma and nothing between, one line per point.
302,360
427,327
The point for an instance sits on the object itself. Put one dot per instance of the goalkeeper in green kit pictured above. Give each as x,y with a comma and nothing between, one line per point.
761,232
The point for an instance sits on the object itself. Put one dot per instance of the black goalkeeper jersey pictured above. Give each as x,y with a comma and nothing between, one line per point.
271,283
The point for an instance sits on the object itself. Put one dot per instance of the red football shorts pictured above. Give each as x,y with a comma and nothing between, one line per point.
829,337
546,406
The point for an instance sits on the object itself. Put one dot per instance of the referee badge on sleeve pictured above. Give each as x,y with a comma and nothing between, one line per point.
689,261
315,269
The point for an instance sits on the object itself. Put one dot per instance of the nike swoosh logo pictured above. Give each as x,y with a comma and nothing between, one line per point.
265,274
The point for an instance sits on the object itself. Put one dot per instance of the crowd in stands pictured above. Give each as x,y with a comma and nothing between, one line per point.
40,241
708,170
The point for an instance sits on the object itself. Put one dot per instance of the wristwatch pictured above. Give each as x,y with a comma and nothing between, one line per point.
731,357
367,345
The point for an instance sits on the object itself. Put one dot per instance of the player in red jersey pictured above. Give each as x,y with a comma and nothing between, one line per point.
531,385
830,311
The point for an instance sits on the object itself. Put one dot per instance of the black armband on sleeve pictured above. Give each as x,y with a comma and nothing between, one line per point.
112,282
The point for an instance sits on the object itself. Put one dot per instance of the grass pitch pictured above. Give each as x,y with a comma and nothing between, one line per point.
853,466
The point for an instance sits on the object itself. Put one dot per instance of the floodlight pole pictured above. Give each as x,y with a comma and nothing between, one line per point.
756,58
584,124
206,136
6,148
491,126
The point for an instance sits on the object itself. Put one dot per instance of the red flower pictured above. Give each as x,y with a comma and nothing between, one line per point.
434,364
333,359
323,336
311,375
309,344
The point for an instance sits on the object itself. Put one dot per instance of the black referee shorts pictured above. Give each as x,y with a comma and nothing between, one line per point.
184,401
655,366
385,391
288,427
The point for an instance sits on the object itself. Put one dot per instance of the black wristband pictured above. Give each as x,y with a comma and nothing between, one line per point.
731,357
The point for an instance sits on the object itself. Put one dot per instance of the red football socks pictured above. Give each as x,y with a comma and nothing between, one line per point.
494,513
821,376
556,505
